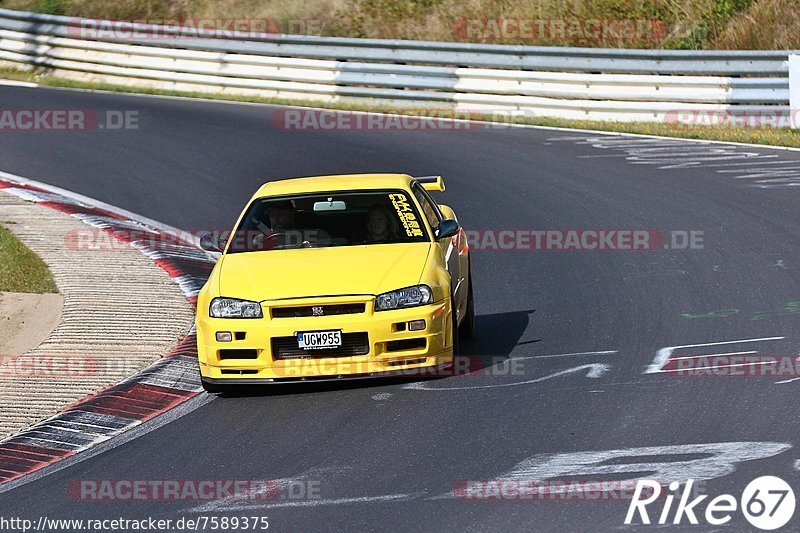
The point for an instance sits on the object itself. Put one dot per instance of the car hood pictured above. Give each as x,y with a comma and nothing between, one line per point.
308,272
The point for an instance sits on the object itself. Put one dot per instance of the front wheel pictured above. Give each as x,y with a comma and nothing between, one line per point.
455,332
467,328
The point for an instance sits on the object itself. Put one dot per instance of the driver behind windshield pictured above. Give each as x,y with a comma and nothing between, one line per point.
285,230
281,219
275,228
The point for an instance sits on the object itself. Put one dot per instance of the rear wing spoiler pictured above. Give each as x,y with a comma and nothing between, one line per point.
431,183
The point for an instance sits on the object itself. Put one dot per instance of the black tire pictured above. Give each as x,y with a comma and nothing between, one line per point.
467,328
455,332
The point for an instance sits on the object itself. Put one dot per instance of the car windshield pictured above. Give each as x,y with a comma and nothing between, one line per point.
328,219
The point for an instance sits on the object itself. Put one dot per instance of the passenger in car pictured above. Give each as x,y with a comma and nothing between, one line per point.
380,224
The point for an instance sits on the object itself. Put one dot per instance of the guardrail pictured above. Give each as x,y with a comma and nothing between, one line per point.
576,83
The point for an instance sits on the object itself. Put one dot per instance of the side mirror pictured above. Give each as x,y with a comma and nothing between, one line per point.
211,243
447,228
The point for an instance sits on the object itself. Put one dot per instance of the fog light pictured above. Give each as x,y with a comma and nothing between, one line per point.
224,336
416,325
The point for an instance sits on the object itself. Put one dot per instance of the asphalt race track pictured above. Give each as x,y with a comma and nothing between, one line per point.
388,455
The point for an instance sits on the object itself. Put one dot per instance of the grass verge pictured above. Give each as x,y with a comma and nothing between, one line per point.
681,24
764,135
20,269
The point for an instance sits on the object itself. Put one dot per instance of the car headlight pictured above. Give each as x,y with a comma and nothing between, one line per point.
408,297
234,308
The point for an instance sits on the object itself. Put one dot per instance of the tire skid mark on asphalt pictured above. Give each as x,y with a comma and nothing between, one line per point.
593,371
741,162
664,355
273,494
550,475
164,385
258,505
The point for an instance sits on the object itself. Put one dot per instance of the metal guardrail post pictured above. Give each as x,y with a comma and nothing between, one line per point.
794,89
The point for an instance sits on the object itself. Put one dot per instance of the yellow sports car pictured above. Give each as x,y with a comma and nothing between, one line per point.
335,277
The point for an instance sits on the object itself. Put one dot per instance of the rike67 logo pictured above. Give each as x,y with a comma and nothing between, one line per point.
767,503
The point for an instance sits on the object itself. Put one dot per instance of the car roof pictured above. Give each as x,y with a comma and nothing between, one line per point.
342,182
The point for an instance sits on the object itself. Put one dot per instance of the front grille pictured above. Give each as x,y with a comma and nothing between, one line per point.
404,362
327,310
238,354
405,344
352,344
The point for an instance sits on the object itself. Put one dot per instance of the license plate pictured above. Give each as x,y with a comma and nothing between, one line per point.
319,340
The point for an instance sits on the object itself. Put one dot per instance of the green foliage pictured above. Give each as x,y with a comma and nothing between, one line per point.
20,269
697,37
682,24
52,7
723,10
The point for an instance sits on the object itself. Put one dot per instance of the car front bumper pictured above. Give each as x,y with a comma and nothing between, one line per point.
386,351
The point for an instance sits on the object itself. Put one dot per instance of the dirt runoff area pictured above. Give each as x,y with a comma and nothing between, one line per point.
26,320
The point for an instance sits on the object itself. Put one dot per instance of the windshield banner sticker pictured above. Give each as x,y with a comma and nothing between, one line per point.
406,215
